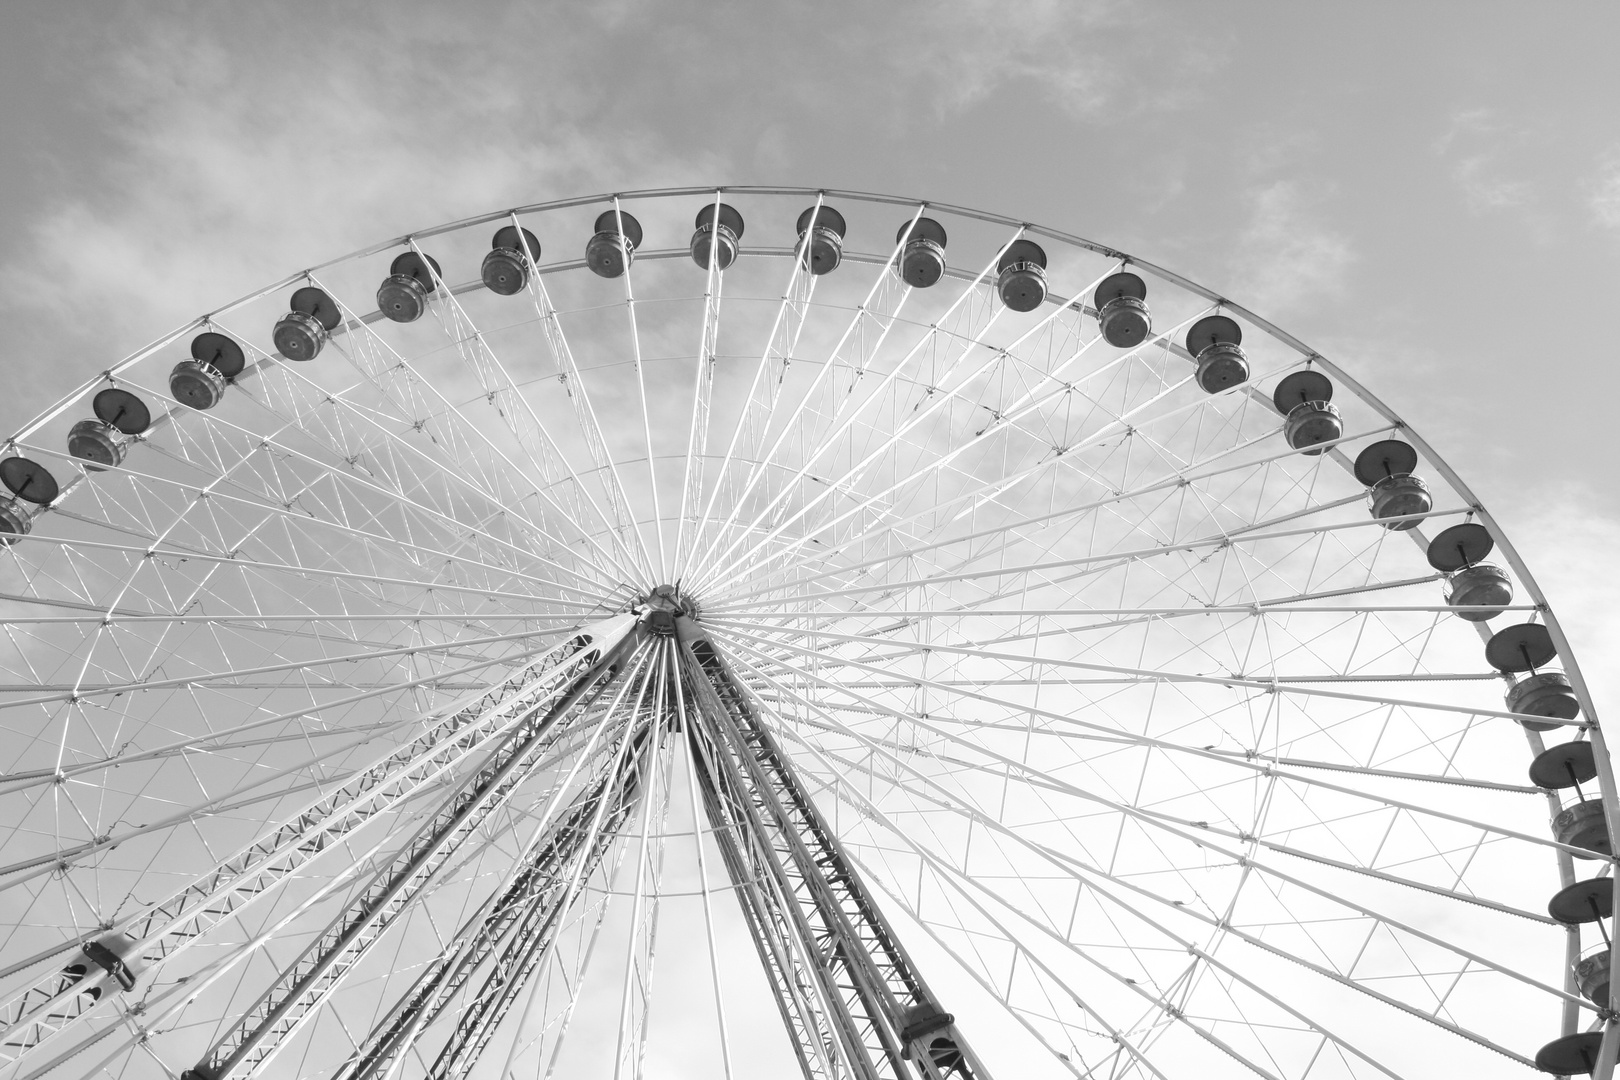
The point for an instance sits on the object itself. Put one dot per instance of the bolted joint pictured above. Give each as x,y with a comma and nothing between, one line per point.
921,1022
111,963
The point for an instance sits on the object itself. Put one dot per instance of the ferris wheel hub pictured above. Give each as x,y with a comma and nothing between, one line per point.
662,606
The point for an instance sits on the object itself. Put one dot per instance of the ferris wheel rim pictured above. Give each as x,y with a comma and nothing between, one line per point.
1470,507
1510,552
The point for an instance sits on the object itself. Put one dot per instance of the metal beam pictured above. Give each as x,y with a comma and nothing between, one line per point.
305,984
516,925
811,1012
899,1019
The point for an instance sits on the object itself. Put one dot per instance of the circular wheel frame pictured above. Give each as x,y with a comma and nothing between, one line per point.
1154,753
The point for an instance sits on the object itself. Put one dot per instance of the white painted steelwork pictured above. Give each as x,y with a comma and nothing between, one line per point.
1039,670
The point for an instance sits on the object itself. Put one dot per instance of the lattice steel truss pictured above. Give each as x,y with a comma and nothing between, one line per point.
852,1000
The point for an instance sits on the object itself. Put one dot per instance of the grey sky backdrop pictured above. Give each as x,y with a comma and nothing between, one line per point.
1427,193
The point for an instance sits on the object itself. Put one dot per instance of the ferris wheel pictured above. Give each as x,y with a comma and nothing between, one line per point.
724,631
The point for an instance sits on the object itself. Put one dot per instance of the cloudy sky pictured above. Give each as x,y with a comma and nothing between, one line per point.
1428,194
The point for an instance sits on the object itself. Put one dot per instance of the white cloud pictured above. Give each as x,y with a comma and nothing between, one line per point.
231,170
1604,196
1484,191
1077,54
1467,124
1481,144
1286,256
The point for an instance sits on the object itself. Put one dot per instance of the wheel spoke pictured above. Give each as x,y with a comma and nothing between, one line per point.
1025,631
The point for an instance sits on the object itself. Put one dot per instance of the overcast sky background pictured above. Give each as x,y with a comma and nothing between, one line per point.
1428,194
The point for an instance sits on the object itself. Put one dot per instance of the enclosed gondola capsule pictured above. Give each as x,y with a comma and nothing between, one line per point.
33,487
200,382
1581,825
1524,648
505,271
1305,398
1021,275
723,240
1215,343
97,444
612,246
403,295
1386,468
1477,590
1546,693
1122,311
102,443
196,385
821,232
922,259
300,334
1592,975
16,519
1397,497
1560,768
1589,901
